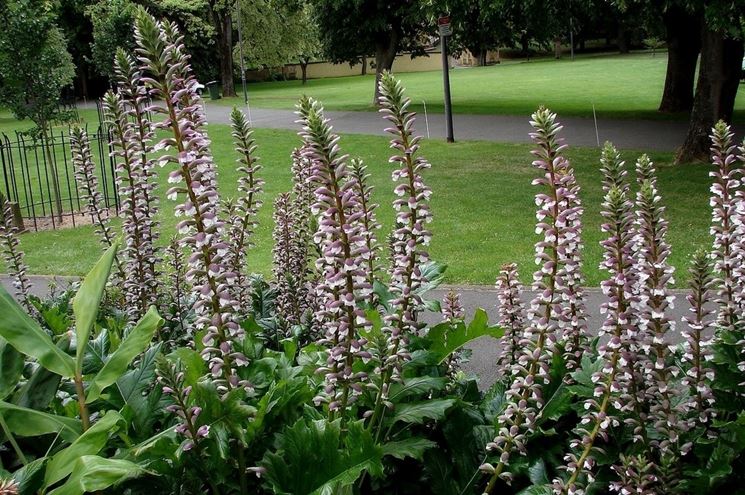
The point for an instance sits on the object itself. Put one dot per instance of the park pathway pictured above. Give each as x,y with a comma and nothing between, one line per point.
484,350
644,135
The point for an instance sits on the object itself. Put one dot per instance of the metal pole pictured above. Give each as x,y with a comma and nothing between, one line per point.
446,83
243,65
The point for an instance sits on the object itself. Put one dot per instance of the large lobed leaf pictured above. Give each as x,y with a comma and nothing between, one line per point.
418,412
444,339
413,447
309,459
132,346
27,337
88,299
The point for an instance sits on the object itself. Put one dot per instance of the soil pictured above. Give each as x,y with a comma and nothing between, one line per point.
69,220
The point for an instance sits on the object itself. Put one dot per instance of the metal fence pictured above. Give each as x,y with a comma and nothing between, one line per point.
39,176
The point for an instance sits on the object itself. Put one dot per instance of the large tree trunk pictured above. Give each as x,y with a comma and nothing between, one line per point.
385,54
525,45
683,47
718,79
363,71
623,38
479,55
222,19
304,70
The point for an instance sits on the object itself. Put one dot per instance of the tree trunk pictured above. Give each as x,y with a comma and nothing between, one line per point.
304,70
363,72
223,22
683,47
385,54
718,80
479,56
623,39
525,45
557,48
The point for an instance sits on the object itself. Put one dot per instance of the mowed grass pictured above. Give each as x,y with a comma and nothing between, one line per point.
9,124
619,86
482,204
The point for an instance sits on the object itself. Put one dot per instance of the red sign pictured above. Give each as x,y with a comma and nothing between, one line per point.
441,21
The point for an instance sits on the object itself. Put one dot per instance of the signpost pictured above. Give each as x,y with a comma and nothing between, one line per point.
443,24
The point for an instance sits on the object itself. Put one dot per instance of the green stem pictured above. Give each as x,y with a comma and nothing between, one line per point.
81,401
242,469
12,441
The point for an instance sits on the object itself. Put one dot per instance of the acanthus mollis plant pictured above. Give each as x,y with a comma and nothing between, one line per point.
573,338
360,177
726,226
558,217
85,175
243,216
171,379
452,313
698,335
342,286
176,305
613,169
511,316
138,253
660,372
452,309
409,238
606,406
615,175
289,265
167,72
14,257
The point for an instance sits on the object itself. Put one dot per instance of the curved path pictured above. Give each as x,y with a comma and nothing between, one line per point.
645,135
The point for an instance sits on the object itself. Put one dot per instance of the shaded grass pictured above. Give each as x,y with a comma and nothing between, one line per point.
482,204
619,86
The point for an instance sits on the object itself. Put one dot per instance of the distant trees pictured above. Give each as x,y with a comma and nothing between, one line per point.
35,67
112,22
278,32
350,29
721,35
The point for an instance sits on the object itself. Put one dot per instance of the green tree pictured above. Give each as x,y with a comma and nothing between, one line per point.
193,18
350,29
78,31
480,26
112,22
221,14
35,67
278,32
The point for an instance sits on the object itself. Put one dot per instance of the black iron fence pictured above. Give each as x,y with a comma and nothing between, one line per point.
38,175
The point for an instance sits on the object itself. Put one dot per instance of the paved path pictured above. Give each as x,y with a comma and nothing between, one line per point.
484,350
646,135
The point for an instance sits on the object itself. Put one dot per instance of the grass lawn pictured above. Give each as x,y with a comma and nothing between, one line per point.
9,124
620,86
482,203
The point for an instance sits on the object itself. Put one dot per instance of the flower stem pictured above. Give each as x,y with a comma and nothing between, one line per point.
84,417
